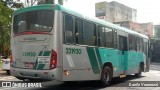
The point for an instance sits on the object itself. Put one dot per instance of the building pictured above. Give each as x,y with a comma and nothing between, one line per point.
115,12
122,15
147,29
157,32
143,28
102,11
155,44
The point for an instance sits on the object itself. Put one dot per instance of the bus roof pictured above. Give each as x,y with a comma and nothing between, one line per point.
69,11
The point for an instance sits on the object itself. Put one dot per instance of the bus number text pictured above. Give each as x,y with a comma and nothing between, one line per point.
32,54
73,51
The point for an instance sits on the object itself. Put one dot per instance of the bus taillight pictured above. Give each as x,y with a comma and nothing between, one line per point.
53,62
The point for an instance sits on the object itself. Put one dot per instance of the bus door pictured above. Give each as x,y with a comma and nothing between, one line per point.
123,47
147,54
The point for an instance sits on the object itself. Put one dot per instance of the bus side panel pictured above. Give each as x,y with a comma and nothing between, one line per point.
134,59
89,61
81,63
112,56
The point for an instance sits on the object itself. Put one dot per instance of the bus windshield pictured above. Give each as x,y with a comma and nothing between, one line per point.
33,21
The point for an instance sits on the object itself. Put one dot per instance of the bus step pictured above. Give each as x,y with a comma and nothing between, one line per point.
122,76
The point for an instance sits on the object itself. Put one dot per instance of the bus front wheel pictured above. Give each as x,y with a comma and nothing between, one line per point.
106,76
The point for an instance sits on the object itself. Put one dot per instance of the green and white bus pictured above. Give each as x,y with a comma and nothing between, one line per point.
52,42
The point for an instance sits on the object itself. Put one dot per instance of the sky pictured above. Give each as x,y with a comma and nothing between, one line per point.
147,10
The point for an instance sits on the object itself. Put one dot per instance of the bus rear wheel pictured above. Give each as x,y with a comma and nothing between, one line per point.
106,76
20,78
8,72
139,74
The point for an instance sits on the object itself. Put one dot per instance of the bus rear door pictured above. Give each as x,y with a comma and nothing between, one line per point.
123,47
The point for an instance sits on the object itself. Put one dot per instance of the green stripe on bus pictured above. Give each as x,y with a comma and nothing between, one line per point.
40,53
99,57
41,66
93,60
36,63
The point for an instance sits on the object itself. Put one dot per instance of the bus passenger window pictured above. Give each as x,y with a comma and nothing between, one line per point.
101,36
69,29
89,34
79,31
115,38
77,34
109,38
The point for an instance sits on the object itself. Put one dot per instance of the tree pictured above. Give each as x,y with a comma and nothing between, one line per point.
30,2
45,2
5,27
16,4
12,3
60,2
50,2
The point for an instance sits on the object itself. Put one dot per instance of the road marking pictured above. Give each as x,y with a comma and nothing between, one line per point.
9,88
6,78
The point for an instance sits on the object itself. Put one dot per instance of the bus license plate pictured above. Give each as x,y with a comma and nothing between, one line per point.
29,65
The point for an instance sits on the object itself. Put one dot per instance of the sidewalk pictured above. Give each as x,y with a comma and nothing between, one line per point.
154,63
2,71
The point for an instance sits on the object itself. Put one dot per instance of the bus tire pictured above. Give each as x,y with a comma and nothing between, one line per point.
70,82
139,74
20,78
32,80
106,76
8,72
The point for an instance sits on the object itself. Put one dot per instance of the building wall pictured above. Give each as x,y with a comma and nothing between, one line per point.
122,15
147,29
115,11
121,12
155,43
143,28
101,10
157,32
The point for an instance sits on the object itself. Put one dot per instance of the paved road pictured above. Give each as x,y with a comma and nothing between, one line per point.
153,75
5,77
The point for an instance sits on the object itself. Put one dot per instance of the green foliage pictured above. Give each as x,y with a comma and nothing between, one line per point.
5,27
60,2
50,2
16,4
